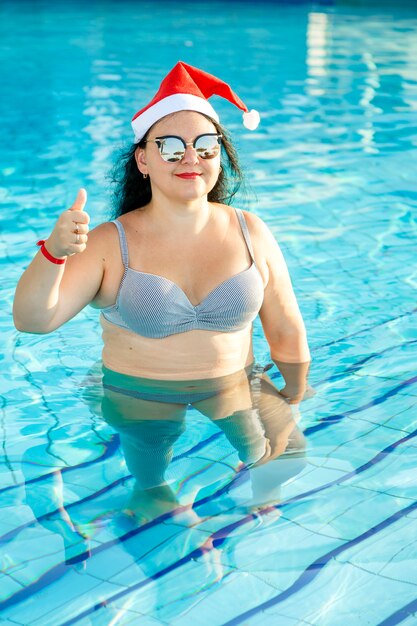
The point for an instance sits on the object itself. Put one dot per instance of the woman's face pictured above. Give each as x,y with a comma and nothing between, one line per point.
171,179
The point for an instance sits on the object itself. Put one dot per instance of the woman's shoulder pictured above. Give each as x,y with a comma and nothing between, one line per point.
252,220
256,226
109,227
263,239
132,219
105,229
103,235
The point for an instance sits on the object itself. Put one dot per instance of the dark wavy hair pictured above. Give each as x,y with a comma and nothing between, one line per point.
132,191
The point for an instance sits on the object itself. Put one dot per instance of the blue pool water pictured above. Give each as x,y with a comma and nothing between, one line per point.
332,171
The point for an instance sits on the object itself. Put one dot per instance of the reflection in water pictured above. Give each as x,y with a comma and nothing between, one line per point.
57,520
150,417
258,424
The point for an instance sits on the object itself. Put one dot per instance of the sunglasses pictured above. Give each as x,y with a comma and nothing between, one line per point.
172,148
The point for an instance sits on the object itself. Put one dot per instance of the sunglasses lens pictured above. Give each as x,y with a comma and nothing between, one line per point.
171,149
207,146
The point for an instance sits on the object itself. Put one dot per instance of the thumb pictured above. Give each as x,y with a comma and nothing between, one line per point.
80,201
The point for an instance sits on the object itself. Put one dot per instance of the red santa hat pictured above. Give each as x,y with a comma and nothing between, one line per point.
186,88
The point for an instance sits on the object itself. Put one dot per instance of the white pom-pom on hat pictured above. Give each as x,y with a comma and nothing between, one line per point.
251,119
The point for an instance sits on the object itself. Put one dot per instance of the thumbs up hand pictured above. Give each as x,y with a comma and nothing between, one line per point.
69,235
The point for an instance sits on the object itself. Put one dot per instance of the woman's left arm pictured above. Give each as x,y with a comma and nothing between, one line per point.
281,318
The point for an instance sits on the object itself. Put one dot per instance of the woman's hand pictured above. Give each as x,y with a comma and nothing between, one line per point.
48,294
69,235
296,395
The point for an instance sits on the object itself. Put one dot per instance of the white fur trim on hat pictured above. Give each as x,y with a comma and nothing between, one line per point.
170,104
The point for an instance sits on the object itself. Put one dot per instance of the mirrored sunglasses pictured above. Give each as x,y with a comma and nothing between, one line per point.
172,148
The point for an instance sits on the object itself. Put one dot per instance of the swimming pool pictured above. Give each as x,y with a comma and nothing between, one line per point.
332,168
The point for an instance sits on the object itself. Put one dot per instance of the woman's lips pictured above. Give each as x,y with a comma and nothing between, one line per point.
188,175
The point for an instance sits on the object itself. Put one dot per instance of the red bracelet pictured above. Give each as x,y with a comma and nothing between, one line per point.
46,254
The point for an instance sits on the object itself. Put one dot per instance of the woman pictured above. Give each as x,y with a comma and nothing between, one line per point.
179,277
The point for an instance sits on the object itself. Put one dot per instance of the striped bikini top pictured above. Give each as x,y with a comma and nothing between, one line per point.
154,306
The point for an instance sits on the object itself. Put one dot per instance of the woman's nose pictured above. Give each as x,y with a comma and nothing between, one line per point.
190,154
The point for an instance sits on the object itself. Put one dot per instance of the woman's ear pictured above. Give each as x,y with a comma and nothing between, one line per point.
140,158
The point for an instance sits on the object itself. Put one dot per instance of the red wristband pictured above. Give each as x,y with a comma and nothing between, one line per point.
48,256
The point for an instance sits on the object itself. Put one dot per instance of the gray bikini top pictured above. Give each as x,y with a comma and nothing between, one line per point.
154,306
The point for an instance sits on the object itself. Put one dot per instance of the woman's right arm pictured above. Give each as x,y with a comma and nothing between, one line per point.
281,318
48,295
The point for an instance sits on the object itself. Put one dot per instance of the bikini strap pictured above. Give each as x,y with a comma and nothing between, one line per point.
245,232
123,242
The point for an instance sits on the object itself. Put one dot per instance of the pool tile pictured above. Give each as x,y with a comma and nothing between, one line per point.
230,521
177,592
292,557
391,552
216,607
69,596
396,412
160,554
394,473
413,513
121,616
409,621
314,475
396,362
86,599
349,520
104,567
15,516
8,587
356,442
45,550
342,593
264,619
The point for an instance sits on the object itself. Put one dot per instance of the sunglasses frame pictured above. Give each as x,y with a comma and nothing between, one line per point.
159,143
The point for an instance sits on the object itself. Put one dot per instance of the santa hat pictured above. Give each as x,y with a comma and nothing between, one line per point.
186,88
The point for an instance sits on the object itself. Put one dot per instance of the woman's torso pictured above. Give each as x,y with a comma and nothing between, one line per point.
211,273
